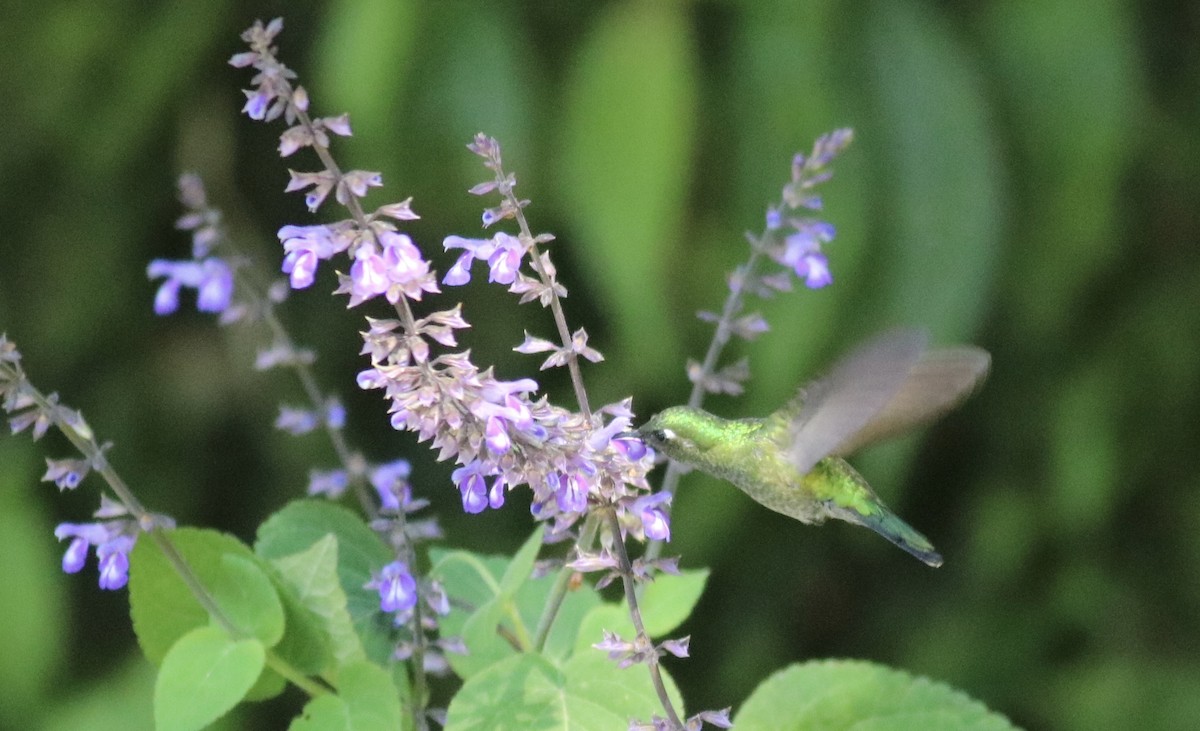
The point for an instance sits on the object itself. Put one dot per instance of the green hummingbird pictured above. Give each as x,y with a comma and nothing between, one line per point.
791,461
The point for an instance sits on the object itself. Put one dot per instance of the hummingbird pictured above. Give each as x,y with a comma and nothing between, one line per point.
792,460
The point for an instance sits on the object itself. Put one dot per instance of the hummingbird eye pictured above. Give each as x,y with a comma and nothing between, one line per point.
662,435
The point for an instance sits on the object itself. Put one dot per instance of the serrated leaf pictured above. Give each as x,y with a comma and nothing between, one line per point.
365,701
529,693
303,523
163,608
625,165
850,694
312,576
204,675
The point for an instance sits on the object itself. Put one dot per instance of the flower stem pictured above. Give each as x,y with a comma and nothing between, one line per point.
626,570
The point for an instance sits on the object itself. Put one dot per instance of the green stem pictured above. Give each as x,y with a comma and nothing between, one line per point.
643,639
558,592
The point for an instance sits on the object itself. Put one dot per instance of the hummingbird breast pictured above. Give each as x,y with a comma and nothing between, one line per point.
758,466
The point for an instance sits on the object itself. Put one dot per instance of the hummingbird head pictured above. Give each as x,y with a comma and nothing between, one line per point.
680,432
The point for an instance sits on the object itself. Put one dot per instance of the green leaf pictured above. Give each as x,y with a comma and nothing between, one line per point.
366,701
311,577
626,155
468,578
164,609
850,694
472,581
303,523
247,597
665,603
521,567
268,685
204,675
481,634
577,604
527,692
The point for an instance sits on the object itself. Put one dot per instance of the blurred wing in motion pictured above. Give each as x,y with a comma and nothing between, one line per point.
940,381
883,388
829,412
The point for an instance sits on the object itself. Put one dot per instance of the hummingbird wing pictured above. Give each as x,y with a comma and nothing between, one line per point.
937,383
828,412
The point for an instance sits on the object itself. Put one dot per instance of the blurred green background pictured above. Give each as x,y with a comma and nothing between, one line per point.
1024,177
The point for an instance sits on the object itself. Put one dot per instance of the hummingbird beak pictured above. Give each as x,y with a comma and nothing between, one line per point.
631,443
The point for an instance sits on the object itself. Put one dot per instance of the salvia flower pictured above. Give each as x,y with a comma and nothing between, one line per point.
304,247
396,586
390,481
66,473
330,483
649,510
212,278
113,541
295,421
114,562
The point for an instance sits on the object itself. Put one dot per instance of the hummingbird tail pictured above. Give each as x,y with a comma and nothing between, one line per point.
890,526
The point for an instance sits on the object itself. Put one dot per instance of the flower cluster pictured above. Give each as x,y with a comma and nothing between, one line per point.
801,249
412,601
116,530
211,276
113,536
498,431
792,239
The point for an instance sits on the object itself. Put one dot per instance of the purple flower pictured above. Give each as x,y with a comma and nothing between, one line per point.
83,535
335,414
76,555
630,445
496,494
114,562
654,519
570,492
390,481
496,435
802,253
502,252
305,246
397,587
295,421
506,259
66,473
331,483
471,483
397,270
212,278
815,270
